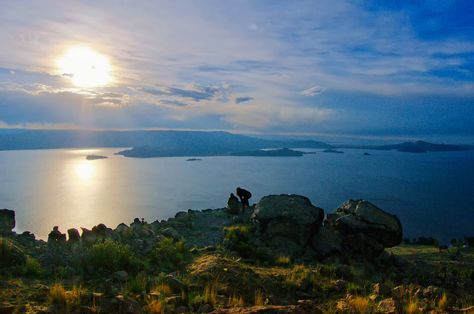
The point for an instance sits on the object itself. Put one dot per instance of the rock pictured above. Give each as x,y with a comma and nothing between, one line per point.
387,306
171,233
289,217
7,222
56,236
174,283
88,237
121,228
326,242
381,289
73,235
27,239
121,276
181,310
362,217
204,308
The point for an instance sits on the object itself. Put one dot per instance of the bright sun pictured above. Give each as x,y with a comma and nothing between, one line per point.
85,67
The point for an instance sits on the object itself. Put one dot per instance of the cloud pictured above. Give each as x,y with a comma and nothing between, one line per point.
312,91
239,100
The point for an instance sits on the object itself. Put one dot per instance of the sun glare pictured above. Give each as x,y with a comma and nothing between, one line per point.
85,67
84,170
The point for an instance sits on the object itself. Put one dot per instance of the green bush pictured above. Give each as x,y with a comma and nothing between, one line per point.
239,239
110,256
169,255
10,254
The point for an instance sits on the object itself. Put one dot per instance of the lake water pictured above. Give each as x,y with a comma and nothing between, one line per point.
432,194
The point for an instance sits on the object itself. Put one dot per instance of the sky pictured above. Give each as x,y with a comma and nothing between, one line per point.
362,68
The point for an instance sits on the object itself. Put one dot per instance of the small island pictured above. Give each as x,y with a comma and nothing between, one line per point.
193,159
423,147
95,157
283,152
330,150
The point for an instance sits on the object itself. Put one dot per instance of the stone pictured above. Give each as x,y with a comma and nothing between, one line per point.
171,233
355,217
56,236
387,306
73,235
287,222
7,222
174,283
121,276
326,242
234,206
121,228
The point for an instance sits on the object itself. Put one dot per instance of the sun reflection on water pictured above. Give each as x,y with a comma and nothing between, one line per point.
85,170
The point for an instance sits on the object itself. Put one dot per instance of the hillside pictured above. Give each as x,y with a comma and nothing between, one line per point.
283,255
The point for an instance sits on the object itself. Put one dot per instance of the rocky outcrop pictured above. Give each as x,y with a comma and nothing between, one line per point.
286,223
357,227
7,222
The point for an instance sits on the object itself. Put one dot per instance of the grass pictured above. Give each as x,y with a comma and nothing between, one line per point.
169,255
235,301
412,307
57,294
162,290
156,307
210,295
109,256
283,260
259,298
360,304
442,302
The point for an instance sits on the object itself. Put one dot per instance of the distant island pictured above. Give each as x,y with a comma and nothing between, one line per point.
423,147
95,157
193,159
331,150
283,152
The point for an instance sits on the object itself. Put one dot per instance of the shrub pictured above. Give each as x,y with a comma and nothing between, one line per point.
169,255
10,254
138,284
238,238
162,290
412,307
469,241
109,256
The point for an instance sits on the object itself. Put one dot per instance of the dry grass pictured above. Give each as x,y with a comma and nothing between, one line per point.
259,298
235,301
57,294
412,307
210,295
360,305
283,260
442,302
74,296
156,307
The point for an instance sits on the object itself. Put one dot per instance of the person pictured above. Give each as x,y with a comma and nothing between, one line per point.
233,205
244,196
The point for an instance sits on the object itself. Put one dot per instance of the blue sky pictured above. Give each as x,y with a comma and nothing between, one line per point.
368,68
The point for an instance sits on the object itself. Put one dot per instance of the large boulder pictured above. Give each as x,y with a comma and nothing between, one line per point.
358,217
7,221
287,222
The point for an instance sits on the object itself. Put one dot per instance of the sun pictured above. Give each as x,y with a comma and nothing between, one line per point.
85,67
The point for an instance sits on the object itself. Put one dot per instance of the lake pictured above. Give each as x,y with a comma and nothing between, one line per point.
432,194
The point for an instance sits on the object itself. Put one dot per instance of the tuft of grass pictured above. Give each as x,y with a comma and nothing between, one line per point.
360,304
156,307
235,301
412,307
210,295
57,294
138,284
442,302
283,260
73,297
259,298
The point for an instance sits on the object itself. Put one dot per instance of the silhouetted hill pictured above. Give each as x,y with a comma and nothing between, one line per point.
423,147
147,143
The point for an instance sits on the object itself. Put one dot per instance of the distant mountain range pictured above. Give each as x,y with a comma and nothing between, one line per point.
419,147
147,143
185,143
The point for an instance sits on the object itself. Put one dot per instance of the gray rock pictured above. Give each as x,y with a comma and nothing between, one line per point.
121,276
7,221
326,242
355,217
